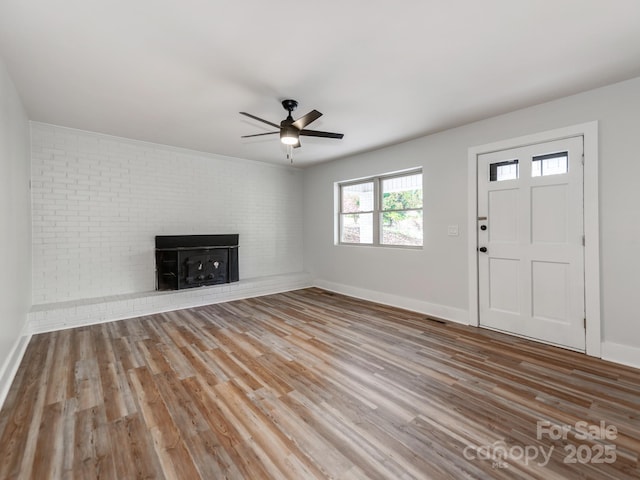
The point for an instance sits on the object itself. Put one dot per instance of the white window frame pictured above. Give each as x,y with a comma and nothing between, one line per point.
377,208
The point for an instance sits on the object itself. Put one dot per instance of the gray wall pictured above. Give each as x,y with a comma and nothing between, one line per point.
435,279
15,223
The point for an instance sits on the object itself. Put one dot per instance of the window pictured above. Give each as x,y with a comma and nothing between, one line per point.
501,171
401,210
541,166
384,210
357,213
552,164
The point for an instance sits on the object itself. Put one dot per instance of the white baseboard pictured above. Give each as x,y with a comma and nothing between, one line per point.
62,315
452,314
618,353
11,364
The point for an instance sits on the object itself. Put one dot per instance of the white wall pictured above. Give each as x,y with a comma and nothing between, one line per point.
435,279
15,227
99,201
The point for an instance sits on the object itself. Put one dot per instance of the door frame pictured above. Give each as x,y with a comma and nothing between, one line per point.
589,131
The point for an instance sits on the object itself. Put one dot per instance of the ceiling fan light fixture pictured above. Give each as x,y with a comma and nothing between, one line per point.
289,136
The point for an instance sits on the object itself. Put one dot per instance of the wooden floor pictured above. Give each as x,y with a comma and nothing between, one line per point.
310,384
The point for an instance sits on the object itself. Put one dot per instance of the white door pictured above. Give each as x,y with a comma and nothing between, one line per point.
531,243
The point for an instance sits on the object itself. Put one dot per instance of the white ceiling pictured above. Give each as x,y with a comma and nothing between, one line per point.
381,71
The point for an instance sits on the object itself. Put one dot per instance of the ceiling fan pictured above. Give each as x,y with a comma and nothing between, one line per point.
290,129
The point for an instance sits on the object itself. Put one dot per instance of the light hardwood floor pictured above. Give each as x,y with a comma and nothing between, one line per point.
309,384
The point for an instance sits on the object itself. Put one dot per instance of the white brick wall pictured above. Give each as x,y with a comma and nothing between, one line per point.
98,202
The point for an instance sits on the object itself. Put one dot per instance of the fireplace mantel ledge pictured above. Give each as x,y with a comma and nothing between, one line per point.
76,313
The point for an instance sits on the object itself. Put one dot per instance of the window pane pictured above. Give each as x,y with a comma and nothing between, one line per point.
401,228
357,198
400,193
503,171
357,228
554,164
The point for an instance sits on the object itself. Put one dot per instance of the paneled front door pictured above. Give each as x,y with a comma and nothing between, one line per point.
531,242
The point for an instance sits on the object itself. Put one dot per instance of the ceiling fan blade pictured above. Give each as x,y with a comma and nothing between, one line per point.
259,119
302,122
258,134
317,133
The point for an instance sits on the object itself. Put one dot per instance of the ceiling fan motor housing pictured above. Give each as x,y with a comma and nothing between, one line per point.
289,134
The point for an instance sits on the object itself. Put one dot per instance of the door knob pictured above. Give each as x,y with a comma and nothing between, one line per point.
483,249
483,227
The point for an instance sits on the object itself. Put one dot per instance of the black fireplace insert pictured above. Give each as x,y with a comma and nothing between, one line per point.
187,261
